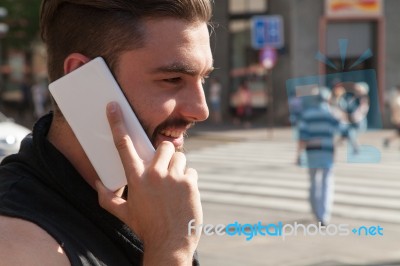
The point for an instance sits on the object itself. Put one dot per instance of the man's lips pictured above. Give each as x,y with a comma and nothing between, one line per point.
174,135
173,130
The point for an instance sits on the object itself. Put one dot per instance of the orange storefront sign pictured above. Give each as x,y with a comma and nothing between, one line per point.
353,7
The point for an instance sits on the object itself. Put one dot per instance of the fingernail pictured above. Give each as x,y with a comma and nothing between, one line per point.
112,107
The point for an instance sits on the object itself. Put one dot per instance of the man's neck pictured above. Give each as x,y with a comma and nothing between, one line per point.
63,138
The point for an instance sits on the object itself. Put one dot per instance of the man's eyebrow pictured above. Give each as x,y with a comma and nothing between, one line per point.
180,68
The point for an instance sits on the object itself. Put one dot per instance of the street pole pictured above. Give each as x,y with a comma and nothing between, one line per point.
270,104
268,58
3,31
1,65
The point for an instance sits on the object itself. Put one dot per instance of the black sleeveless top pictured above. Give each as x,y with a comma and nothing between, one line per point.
40,185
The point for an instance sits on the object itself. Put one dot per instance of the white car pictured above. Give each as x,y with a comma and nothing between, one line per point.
11,135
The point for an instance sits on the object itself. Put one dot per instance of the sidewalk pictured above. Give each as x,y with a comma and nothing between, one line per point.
230,132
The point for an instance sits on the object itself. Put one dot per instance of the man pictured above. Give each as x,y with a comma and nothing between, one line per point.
317,127
343,103
50,195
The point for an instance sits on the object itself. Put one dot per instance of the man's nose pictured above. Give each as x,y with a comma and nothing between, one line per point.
193,105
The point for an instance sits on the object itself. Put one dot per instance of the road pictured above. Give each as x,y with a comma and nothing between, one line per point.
246,176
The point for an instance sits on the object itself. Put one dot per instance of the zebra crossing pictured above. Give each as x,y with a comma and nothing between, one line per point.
263,174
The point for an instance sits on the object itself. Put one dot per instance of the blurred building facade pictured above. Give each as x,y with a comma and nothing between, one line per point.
310,26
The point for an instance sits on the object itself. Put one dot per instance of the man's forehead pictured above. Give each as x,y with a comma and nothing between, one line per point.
182,49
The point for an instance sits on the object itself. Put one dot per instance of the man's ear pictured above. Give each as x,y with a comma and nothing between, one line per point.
74,61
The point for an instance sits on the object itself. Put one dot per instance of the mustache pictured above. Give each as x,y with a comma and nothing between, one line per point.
171,123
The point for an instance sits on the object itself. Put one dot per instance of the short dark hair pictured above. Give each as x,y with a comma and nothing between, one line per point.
106,27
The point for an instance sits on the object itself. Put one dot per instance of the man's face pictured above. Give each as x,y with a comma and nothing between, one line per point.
163,80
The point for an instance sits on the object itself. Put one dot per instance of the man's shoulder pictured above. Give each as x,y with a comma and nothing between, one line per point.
25,243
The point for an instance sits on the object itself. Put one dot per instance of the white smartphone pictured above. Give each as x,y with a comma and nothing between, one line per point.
82,97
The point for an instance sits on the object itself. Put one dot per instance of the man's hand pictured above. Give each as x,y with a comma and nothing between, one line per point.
163,197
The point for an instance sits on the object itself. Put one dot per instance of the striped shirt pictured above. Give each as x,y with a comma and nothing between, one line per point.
317,127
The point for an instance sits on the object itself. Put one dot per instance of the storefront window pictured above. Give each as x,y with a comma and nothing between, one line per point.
247,6
245,69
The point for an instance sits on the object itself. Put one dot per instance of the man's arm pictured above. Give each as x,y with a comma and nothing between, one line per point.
163,197
302,146
25,243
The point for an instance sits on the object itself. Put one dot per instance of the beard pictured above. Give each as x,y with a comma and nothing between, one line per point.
168,123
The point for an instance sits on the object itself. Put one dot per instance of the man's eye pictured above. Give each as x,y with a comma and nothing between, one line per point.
173,80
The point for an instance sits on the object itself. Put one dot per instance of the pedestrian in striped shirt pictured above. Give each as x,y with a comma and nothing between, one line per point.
317,129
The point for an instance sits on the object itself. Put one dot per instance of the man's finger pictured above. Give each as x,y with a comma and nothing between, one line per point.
163,156
191,172
129,157
178,163
111,202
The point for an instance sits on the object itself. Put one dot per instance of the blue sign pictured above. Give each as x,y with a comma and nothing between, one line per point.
267,31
